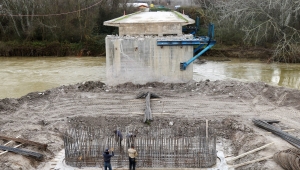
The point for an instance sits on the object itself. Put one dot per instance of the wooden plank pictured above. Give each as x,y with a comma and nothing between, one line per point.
24,141
1,153
250,162
11,141
249,152
38,156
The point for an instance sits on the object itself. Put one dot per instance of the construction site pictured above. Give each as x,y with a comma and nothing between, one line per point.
178,123
91,110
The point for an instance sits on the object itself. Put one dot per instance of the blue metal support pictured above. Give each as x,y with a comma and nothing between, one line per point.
185,64
192,29
201,41
209,37
196,50
211,31
210,43
183,42
197,26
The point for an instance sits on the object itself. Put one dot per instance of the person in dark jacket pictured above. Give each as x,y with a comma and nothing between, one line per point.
118,136
107,157
130,138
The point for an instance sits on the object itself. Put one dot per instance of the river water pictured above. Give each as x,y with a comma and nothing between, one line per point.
20,76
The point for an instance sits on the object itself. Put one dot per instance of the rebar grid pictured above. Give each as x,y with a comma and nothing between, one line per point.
157,147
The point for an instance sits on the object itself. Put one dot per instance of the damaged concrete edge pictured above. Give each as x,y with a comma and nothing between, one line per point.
113,21
181,16
116,22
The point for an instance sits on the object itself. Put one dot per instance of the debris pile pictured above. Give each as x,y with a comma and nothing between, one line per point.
288,159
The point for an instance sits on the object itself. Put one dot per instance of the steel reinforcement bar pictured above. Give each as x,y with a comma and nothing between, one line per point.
287,137
157,148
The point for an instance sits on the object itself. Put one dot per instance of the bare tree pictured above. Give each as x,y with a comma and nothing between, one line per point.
275,21
54,18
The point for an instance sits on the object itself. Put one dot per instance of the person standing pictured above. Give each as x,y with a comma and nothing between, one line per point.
130,139
118,136
107,157
132,155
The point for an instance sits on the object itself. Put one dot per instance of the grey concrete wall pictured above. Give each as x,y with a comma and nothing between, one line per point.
139,60
150,29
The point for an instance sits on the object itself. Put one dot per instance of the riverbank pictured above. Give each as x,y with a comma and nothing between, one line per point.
38,49
96,47
44,116
91,47
224,53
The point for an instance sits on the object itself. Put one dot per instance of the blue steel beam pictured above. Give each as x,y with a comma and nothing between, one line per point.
211,42
198,48
201,41
195,41
192,29
211,31
185,64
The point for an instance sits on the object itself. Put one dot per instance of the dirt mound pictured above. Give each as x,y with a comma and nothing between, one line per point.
228,105
245,90
9,104
91,86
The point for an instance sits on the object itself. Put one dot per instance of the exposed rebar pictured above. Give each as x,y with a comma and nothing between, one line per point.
156,147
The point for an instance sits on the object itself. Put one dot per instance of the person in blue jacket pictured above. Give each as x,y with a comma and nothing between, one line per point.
107,157
118,136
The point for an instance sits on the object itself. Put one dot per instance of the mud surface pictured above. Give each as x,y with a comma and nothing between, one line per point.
228,105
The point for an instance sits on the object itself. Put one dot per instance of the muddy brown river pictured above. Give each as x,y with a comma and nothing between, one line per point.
20,76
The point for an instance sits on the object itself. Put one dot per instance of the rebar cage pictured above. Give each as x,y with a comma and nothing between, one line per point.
157,147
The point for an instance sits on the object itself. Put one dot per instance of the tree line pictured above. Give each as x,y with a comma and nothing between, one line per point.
271,24
57,27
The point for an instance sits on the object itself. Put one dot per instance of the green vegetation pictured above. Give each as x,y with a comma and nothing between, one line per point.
75,27
159,8
180,16
148,122
57,28
125,16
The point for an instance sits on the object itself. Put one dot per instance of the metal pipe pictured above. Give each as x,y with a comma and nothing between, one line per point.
184,65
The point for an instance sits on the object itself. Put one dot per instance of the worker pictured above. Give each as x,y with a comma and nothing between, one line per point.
130,137
118,136
132,156
106,157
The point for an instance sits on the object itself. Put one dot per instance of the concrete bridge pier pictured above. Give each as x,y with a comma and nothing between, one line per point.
138,59
134,55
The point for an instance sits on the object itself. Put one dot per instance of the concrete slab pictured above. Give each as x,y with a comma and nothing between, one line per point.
150,18
151,23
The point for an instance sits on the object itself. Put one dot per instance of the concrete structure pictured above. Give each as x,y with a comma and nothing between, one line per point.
151,23
171,2
134,56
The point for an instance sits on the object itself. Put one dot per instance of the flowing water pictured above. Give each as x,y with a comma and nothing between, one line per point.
20,76
278,74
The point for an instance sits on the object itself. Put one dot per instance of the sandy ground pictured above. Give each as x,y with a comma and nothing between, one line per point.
228,105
